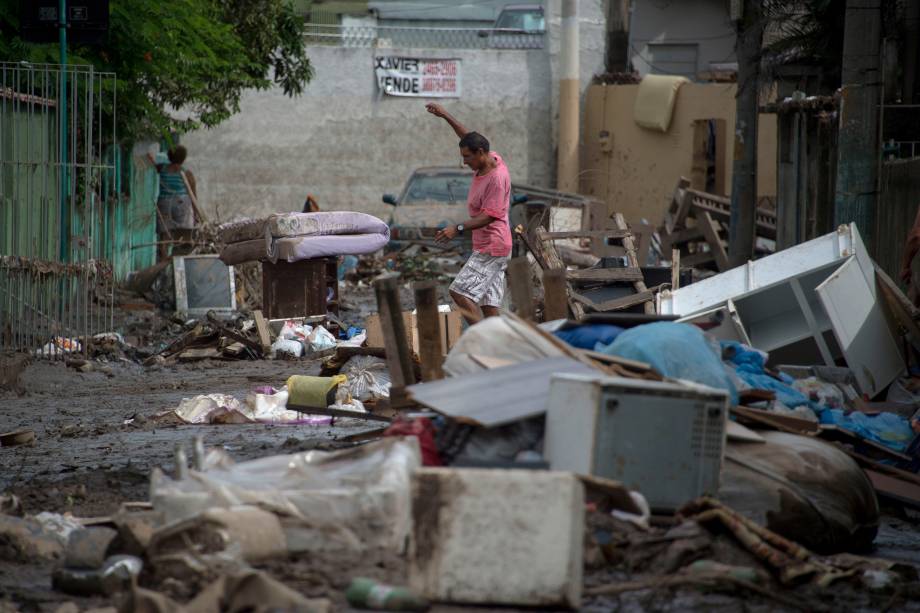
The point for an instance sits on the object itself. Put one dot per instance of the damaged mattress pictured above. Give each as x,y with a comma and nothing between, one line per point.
292,237
280,225
296,248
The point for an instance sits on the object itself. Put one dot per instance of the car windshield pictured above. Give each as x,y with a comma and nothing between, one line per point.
529,20
450,189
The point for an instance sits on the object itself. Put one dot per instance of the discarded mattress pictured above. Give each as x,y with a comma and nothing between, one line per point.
292,237
296,248
280,225
655,101
802,488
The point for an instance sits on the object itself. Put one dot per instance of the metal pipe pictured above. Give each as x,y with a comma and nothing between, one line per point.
567,149
62,110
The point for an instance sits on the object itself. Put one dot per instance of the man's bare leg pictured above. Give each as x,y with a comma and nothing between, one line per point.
468,308
489,311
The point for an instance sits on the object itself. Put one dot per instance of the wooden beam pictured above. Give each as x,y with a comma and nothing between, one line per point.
428,324
605,274
675,269
399,355
265,338
521,287
555,295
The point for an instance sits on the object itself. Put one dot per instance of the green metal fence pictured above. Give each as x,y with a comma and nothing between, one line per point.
58,273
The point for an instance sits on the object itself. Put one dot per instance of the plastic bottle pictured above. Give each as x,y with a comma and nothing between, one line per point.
370,594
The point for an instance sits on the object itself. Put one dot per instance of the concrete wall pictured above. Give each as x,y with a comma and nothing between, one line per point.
705,23
348,145
635,170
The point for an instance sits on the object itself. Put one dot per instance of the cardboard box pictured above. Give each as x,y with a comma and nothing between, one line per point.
450,329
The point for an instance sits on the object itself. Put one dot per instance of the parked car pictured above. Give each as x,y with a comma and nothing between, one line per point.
434,197
518,26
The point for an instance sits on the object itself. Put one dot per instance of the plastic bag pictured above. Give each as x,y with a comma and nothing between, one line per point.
355,498
287,345
680,351
889,429
320,339
368,377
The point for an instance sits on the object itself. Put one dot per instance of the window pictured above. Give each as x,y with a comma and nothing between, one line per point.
672,59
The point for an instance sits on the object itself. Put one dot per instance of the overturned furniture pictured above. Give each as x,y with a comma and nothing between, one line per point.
697,225
540,243
814,303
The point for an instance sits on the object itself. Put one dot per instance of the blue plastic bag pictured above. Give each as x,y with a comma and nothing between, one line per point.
749,366
889,429
587,336
675,350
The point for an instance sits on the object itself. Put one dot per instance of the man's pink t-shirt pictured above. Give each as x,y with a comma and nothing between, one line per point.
491,194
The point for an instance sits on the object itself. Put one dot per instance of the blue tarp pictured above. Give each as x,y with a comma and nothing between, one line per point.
889,429
587,336
675,350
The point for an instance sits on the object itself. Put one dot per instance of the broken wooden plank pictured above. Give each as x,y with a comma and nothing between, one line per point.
265,338
902,491
836,433
711,233
617,303
193,354
237,336
611,234
783,423
604,274
548,258
555,295
519,280
632,259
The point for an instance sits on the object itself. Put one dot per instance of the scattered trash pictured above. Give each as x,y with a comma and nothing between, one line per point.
351,499
17,437
367,593
116,574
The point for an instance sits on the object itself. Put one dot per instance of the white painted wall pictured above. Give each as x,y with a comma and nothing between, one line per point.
348,145
705,23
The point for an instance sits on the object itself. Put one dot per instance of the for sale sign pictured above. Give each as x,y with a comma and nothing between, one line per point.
418,77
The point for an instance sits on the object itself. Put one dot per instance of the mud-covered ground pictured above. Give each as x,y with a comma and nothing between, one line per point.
86,460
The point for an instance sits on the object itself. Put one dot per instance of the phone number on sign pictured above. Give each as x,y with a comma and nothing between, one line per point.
439,85
441,69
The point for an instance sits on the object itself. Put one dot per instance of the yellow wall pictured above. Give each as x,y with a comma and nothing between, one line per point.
636,170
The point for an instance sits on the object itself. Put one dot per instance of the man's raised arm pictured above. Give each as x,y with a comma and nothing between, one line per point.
438,111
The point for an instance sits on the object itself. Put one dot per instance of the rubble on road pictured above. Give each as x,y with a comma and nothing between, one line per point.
738,433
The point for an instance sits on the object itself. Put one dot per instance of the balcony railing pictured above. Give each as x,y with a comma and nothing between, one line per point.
426,38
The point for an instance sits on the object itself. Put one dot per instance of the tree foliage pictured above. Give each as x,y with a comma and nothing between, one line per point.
182,64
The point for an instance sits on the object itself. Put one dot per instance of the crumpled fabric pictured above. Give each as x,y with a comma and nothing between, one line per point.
749,367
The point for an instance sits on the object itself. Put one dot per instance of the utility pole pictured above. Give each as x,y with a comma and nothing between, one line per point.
62,99
617,59
748,44
567,152
858,146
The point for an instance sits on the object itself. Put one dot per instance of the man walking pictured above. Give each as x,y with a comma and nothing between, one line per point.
481,282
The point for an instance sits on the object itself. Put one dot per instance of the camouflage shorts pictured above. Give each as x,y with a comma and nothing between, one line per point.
482,279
